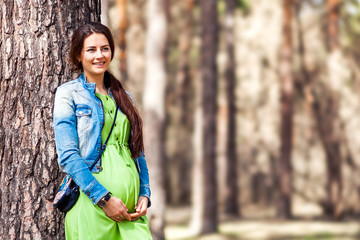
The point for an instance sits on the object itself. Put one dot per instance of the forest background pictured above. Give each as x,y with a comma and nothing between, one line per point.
250,112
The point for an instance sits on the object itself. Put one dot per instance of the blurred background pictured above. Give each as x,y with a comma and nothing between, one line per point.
251,114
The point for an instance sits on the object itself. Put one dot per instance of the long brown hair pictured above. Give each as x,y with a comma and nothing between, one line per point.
122,99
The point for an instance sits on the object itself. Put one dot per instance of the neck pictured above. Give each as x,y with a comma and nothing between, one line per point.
99,82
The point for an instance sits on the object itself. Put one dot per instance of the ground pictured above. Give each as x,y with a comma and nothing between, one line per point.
255,229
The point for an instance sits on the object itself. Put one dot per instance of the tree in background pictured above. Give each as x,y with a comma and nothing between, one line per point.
326,108
34,60
283,166
122,11
231,175
154,110
205,214
180,95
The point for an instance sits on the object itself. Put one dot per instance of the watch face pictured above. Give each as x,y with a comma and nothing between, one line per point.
101,203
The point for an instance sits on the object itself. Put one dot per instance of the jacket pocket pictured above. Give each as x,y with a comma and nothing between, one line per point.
83,116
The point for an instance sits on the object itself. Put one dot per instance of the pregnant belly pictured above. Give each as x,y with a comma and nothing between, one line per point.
119,176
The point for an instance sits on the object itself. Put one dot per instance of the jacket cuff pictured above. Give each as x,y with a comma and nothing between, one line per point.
145,191
95,191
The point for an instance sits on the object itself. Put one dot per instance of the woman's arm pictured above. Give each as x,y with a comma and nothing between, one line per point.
144,195
67,146
144,177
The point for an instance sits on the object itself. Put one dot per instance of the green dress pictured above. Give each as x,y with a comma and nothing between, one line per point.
119,175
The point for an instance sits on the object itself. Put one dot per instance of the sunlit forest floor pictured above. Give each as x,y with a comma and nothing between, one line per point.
262,229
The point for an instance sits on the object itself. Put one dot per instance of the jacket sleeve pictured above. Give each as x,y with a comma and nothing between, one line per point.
143,171
144,177
67,147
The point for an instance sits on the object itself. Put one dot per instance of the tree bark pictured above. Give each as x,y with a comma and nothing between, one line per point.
231,186
154,110
283,168
205,213
34,60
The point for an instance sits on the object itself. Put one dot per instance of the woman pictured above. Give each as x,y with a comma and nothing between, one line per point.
115,193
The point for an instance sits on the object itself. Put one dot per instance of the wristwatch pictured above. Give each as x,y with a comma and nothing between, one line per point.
104,200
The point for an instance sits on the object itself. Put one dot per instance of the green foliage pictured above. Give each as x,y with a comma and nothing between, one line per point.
243,5
350,28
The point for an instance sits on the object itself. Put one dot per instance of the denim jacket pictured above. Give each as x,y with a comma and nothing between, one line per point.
78,122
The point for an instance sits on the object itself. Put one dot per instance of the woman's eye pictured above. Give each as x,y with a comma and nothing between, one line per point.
91,50
105,49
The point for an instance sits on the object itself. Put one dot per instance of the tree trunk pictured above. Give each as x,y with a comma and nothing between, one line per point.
121,7
231,187
323,98
283,168
34,60
205,214
135,49
154,110
184,119
328,117
105,12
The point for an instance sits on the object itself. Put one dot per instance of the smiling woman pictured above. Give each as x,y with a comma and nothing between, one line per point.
95,58
115,193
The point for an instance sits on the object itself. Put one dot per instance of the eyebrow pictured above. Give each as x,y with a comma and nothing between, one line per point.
107,45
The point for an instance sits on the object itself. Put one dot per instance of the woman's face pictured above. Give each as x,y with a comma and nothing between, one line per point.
95,55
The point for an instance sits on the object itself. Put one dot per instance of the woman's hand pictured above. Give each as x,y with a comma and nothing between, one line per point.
116,210
141,208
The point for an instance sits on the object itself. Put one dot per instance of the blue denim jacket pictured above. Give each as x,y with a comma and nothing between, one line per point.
78,122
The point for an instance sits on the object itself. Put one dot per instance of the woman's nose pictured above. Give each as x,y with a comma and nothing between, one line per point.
99,53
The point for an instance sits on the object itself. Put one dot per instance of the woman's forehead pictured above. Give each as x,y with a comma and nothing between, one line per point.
96,39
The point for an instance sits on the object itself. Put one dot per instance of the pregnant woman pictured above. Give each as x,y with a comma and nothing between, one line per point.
115,194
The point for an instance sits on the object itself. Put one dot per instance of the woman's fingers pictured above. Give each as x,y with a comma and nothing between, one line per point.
116,210
125,215
135,216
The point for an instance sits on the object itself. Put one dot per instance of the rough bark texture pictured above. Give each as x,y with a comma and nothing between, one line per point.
154,110
231,192
33,62
205,214
283,167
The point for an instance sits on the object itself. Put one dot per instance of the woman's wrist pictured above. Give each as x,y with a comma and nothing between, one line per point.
102,203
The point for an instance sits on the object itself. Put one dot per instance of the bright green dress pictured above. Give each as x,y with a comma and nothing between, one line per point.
119,175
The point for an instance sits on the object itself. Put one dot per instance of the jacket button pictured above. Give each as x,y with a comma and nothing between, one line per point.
88,193
93,199
98,149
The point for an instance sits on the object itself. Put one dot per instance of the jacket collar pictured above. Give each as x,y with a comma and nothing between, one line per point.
90,86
